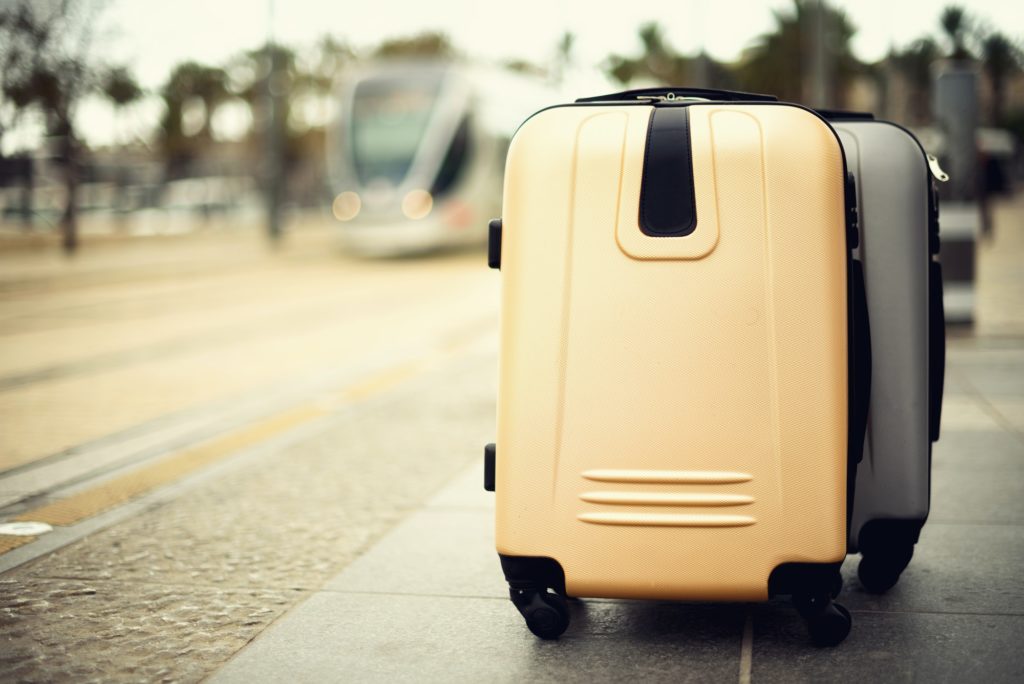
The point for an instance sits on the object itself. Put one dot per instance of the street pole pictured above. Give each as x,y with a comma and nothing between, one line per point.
274,172
963,213
819,59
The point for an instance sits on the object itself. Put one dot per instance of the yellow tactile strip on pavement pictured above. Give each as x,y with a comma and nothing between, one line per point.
103,497
10,542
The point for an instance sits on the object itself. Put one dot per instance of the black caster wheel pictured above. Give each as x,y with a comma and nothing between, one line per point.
878,574
830,626
546,614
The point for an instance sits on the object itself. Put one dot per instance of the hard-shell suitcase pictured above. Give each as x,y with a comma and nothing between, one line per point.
899,229
674,411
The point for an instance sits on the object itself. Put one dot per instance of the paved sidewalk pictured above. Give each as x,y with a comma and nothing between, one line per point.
428,602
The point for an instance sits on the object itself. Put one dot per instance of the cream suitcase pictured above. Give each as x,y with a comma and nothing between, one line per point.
673,386
899,228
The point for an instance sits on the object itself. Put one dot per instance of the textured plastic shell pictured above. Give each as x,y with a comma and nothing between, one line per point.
710,364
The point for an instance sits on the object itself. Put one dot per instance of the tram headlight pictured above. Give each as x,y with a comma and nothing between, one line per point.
417,204
346,206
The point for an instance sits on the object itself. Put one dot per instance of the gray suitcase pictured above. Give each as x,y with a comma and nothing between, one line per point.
898,205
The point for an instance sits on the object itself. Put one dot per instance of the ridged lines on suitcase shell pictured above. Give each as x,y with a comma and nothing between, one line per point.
666,499
681,499
630,476
668,519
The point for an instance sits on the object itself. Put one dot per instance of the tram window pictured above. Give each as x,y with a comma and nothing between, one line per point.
454,159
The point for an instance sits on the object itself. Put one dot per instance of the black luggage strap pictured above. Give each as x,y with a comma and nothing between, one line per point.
859,362
936,349
859,379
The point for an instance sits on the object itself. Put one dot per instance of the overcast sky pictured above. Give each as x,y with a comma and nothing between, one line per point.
153,36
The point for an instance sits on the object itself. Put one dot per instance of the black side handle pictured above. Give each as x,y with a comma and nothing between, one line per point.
489,463
673,93
494,243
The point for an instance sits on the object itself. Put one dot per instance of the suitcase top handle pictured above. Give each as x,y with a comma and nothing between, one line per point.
681,93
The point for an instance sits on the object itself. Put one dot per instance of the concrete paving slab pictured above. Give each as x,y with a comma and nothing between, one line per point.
966,412
956,569
433,552
989,450
466,491
982,495
1012,410
375,638
999,375
891,647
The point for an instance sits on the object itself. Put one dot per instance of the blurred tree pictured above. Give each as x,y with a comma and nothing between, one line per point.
657,61
1000,59
778,62
431,44
563,56
121,89
325,64
191,96
46,66
291,96
956,24
524,66
914,63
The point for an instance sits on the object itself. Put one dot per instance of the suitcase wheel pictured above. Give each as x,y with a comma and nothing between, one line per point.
828,623
546,613
879,572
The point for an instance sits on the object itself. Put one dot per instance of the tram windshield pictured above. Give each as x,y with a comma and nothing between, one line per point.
390,114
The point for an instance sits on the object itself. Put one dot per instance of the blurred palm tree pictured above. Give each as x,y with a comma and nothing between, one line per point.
191,96
563,56
914,63
431,44
120,87
1000,60
658,61
956,24
779,62
47,66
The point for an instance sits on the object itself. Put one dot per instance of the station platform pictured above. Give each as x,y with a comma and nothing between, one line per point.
232,517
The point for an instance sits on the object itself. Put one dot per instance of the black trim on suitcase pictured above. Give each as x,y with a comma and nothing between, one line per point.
844,115
936,349
859,364
668,205
533,572
789,579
